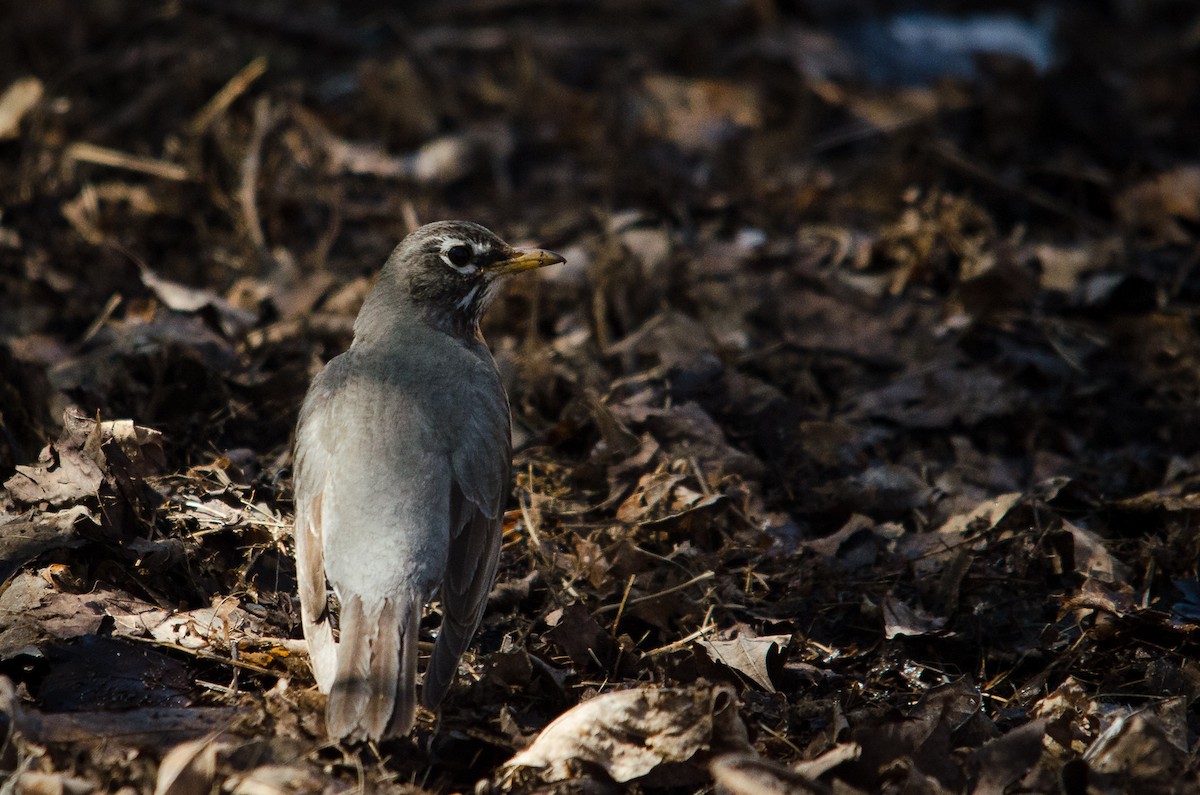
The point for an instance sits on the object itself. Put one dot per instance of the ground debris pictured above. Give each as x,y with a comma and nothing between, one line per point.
863,414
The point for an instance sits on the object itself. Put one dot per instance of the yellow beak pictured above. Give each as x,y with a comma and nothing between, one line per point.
525,260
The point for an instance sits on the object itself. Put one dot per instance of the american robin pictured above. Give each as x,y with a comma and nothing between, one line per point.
401,473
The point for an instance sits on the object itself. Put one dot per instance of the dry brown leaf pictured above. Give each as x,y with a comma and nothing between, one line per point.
1070,717
748,775
843,752
1141,746
1161,202
982,518
1062,266
630,733
142,446
1005,759
1092,559
30,782
275,780
747,655
901,619
221,625
63,474
940,398
189,768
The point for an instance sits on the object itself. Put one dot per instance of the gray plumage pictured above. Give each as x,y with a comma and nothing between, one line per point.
401,475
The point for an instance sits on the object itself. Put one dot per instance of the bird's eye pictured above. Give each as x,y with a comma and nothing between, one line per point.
459,255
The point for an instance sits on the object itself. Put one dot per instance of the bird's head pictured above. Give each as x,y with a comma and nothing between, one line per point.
451,270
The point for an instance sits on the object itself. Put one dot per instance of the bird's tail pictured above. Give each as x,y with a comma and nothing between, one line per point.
374,690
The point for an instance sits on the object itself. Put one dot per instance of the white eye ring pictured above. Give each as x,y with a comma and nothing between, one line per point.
458,255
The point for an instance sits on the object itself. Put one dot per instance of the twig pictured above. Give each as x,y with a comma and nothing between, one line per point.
114,301
103,156
216,687
205,655
221,101
679,644
235,657
264,120
708,575
782,738
621,607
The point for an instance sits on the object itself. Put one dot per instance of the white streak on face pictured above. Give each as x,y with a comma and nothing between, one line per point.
464,303
489,293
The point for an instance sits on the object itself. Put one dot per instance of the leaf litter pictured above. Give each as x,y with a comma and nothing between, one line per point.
857,441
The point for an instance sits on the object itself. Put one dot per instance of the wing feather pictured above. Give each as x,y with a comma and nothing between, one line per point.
310,474
481,473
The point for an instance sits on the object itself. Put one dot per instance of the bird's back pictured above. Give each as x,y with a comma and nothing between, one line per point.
396,453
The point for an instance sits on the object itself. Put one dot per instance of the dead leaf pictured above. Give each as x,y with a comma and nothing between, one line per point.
142,446
275,780
815,768
1140,748
63,474
29,782
21,542
221,625
189,768
901,619
630,733
982,518
98,672
1006,758
747,655
1092,559
1158,204
923,740
749,775
943,396
853,546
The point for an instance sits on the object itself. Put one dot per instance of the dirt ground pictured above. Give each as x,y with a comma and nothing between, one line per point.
857,441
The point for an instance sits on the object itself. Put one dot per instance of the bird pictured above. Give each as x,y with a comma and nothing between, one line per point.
400,472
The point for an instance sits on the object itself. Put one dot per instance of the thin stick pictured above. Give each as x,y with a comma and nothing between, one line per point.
251,163
205,655
103,156
114,301
221,101
708,575
216,687
621,607
679,644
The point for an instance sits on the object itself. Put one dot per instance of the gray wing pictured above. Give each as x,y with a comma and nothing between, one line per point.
480,463
310,471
